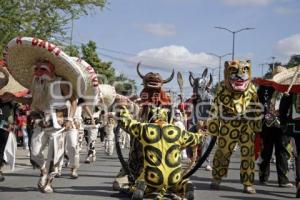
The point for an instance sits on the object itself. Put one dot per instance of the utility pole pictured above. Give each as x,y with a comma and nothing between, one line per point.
262,68
71,34
233,36
220,61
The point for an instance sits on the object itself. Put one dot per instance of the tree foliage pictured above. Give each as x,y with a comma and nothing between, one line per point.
105,70
45,19
89,54
125,86
294,61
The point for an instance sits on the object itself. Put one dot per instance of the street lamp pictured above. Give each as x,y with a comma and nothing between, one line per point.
220,61
213,72
233,35
273,62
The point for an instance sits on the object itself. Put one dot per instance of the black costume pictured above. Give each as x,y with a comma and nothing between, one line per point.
7,111
291,126
272,135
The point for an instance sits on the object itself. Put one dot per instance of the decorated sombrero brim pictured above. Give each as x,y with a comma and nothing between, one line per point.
13,87
90,78
283,80
107,95
22,53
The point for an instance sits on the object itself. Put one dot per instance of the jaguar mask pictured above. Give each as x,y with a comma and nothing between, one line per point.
237,75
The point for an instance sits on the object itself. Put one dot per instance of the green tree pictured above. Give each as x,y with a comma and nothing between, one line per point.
72,50
45,19
89,54
124,85
294,61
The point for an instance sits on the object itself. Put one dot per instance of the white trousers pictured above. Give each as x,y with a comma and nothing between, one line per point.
72,147
41,138
92,136
109,146
10,150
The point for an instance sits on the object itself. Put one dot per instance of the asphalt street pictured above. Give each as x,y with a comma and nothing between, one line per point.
95,182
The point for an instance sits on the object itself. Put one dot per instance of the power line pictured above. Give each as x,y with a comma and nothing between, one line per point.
146,65
169,61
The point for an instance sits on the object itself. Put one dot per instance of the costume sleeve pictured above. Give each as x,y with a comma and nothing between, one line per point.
189,139
258,108
285,105
133,127
213,122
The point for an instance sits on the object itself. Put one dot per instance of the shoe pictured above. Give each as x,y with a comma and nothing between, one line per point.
59,174
87,160
139,192
42,182
208,168
2,178
215,184
74,174
116,186
249,190
47,189
286,185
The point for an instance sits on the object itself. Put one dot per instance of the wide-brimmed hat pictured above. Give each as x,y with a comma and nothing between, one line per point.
91,80
107,95
4,77
7,82
286,80
22,53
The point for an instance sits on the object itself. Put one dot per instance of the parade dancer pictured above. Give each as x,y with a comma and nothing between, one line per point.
272,135
109,135
52,77
161,147
78,122
91,134
235,118
178,121
6,125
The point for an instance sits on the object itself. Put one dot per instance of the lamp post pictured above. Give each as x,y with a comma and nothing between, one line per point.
233,35
213,72
273,62
220,61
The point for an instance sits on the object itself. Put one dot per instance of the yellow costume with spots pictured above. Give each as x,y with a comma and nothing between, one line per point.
162,144
235,118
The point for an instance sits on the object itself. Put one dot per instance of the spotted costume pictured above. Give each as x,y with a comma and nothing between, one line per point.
162,145
235,118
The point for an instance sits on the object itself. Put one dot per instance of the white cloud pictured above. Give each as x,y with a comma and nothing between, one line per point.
286,11
159,29
289,46
175,57
247,2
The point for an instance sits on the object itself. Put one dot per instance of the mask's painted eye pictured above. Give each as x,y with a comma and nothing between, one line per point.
246,68
233,70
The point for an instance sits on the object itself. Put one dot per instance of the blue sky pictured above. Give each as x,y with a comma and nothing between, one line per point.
166,34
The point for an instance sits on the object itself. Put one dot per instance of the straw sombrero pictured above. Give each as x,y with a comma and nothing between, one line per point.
12,86
90,78
287,80
107,96
7,82
22,53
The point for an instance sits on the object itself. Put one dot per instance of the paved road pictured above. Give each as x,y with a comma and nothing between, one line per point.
95,182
